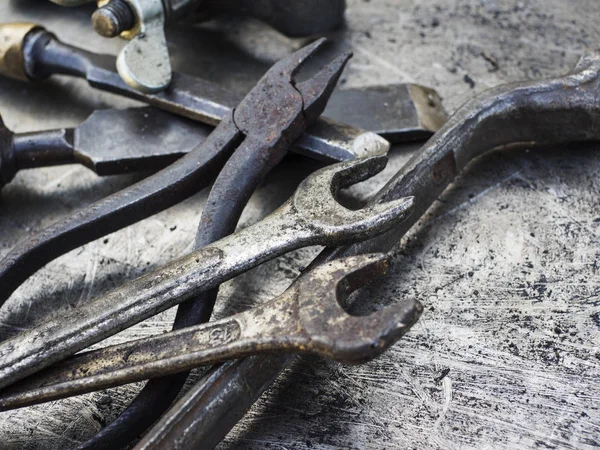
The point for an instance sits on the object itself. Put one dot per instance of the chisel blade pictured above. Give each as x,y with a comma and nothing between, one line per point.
397,112
113,141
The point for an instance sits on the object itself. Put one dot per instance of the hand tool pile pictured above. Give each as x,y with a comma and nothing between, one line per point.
194,134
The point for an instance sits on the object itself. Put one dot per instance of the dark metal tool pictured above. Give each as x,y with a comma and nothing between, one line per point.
162,190
397,112
30,53
144,61
115,141
306,318
109,142
312,216
557,111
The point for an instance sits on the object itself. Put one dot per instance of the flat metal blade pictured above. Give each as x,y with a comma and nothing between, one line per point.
116,141
397,112
113,141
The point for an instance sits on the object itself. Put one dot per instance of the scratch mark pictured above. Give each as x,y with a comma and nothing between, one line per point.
405,77
447,389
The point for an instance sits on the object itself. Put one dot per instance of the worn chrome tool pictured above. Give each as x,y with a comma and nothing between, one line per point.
109,142
312,216
306,318
30,53
183,178
144,62
556,111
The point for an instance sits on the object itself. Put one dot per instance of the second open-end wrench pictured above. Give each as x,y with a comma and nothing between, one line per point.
312,216
561,110
306,318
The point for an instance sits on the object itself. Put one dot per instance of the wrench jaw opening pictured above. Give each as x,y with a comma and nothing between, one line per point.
334,333
315,203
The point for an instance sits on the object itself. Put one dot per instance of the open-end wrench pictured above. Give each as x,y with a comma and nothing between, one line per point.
557,111
312,216
306,318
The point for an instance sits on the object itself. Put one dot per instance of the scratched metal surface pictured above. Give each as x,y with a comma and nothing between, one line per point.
507,353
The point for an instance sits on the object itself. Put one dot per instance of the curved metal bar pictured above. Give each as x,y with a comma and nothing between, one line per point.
557,111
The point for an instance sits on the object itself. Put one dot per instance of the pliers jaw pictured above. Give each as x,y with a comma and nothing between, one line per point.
279,107
316,90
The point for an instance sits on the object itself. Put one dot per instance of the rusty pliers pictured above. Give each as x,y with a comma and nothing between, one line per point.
236,182
191,173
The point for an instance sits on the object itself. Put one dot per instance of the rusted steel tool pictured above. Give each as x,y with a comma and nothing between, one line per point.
306,318
557,111
312,216
30,53
184,177
109,142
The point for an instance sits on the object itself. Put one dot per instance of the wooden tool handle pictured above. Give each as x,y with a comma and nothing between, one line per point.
12,37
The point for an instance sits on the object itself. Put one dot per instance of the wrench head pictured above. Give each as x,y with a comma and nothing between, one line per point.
316,206
332,331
